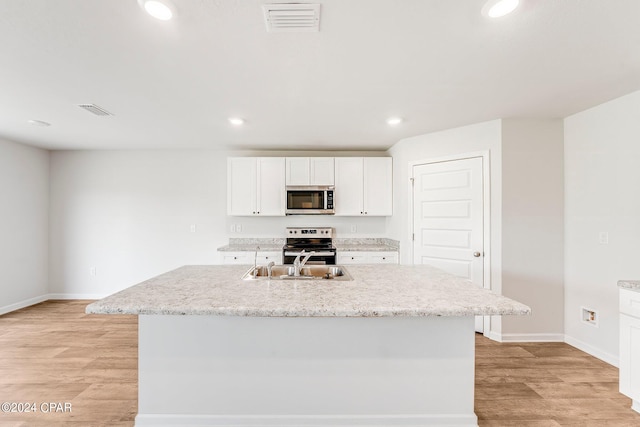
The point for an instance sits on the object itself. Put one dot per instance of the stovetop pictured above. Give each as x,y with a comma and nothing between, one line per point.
318,238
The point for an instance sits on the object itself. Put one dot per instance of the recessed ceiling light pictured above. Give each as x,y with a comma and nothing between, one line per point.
394,121
236,121
498,8
38,123
162,10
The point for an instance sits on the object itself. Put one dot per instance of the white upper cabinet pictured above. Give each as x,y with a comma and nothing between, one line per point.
378,186
347,197
364,186
297,171
310,171
321,171
242,183
256,186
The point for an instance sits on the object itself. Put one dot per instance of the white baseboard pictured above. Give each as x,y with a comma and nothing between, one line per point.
593,351
46,297
75,296
525,337
22,304
580,345
178,420
492,335
635,405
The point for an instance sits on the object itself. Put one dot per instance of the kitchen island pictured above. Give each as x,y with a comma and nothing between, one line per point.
394,346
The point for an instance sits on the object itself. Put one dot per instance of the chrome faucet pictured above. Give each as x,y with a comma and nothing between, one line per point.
255,262
269,268
297,264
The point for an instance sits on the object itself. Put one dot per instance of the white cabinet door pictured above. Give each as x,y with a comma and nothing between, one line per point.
256,186
237,258
378,186
630,345
364,186
265,258
630,356
321,171
348,194
374,257
383,258
347,258
297,170
241,186
271,186
310,171
248,258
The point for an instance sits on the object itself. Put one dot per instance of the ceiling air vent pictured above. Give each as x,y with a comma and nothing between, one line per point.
94,109
292,17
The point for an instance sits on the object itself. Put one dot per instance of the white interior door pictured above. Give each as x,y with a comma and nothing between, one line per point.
448,218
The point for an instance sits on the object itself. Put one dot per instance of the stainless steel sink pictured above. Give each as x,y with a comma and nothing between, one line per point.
308,272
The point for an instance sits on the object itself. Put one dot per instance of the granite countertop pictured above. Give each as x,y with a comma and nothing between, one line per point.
633,285
366,245
343,245
383,291
250,244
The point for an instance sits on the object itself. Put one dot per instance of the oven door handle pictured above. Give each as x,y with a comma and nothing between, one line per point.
316,254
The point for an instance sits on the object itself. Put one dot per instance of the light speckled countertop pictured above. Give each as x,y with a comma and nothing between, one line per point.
383,291
250,244
342,245
366,245
632,285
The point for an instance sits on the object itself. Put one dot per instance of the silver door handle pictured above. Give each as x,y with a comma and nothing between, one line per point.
476,254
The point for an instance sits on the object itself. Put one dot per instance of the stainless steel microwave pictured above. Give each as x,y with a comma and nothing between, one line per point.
309,200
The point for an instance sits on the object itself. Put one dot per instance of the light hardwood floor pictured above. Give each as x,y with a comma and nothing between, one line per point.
53,352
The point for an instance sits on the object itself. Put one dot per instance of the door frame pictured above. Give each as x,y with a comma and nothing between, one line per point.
485,155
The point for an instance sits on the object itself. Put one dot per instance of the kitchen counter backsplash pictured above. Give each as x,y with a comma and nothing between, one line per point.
632,285
344,244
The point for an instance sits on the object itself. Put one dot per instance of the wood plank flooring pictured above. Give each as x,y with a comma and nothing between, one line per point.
53,352
547,384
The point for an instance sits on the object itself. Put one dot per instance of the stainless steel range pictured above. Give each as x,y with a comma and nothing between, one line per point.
318,240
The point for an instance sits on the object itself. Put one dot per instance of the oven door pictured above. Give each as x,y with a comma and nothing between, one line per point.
321,257
306,200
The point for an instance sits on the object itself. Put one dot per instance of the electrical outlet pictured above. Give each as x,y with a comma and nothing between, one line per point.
92,271
603,238
193,228
589,316
354,228
239,228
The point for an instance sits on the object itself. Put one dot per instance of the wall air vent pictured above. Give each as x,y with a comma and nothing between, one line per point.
292,17
94,109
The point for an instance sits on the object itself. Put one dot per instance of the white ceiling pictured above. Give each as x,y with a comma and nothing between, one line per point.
437,63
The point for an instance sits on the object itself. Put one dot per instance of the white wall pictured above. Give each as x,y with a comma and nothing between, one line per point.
485,136
24,190
474,138
128,214
602,187
526,203
532,227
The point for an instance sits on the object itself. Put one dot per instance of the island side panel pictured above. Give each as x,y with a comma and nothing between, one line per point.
252,371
